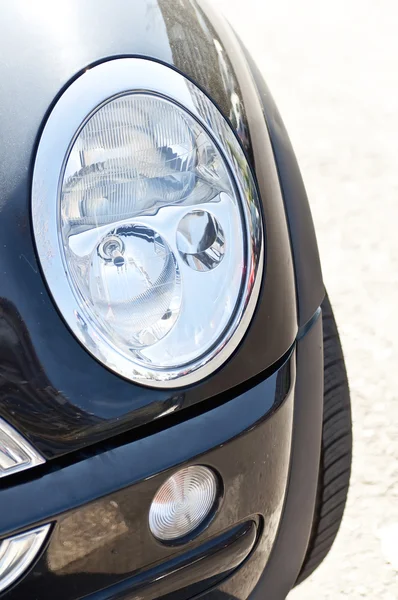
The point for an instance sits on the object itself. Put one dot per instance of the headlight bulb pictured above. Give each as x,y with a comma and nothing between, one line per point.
112,249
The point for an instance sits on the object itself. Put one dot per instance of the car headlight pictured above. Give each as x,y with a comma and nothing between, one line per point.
147,223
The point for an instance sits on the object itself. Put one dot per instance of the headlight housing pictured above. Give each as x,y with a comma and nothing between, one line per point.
147,223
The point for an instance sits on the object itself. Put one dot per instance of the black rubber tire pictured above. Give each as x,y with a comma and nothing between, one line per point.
336,452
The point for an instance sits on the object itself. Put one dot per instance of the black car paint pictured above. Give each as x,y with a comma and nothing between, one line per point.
307,268
266,446
68,405
56,377
100,502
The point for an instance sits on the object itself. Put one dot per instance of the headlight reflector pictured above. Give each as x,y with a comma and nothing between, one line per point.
157,225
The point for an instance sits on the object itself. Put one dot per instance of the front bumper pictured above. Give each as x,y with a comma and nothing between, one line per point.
100,545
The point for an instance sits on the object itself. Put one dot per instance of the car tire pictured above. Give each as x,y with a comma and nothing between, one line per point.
336,451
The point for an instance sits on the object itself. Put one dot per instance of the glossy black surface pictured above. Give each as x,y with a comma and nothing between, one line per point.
252,581
307,267
291,545
192,573
50,388
100,503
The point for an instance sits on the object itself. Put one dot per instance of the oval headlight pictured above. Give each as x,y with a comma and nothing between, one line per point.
147,223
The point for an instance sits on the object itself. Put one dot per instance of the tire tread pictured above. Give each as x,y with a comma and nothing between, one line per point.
336,452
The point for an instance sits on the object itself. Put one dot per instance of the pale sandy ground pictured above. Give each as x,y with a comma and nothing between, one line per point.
333,69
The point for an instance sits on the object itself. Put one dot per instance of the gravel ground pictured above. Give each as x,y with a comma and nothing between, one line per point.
333,69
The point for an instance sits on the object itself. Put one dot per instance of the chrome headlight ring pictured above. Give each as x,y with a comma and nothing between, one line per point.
131,79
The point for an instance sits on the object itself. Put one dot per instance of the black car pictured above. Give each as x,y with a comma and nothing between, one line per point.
174,408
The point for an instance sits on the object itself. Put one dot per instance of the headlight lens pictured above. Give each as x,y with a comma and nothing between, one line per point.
159,231
147,209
